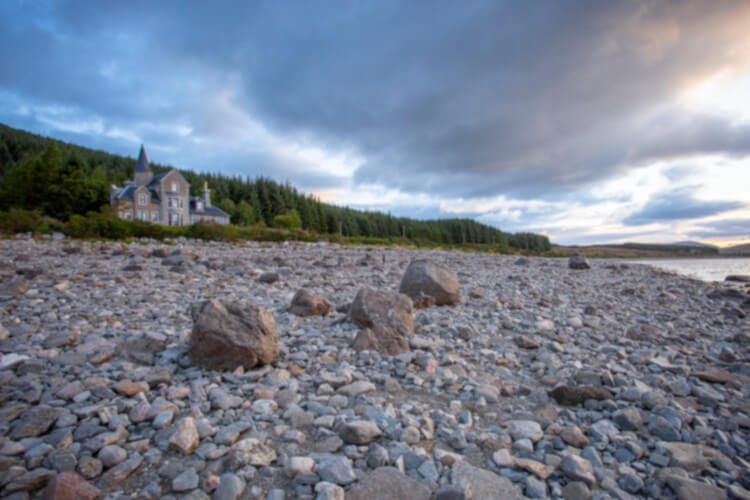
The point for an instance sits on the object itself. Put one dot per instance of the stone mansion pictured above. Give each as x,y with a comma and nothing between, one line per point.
163,198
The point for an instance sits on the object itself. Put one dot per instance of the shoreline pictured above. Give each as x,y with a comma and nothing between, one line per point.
96,379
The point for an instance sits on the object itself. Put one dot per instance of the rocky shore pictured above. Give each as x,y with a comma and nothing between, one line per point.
524,378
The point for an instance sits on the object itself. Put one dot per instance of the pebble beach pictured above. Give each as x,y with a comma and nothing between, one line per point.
540,381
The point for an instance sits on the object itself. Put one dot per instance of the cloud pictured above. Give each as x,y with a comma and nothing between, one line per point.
679,205
518,102
723,228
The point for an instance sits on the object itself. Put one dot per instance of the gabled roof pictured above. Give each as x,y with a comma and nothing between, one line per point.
125,193
157,178
215,211
142,164
128,193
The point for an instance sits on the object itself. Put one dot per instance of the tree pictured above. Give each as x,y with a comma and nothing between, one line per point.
245,213
228,206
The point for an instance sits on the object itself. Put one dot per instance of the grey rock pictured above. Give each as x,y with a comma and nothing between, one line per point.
689,489
628,419
111,455
337,470
186,481
35,421
576,490
388,483
484,484
577,469
372,308
578,262
425,278
230,487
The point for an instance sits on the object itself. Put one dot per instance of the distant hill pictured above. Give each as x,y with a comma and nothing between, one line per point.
634,250
61,179
695,244
736,250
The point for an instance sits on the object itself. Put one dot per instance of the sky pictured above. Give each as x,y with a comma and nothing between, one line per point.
588,121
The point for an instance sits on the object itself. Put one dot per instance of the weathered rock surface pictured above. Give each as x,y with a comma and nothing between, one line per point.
229,335
425,278
372,308
385,340
578,262
483,483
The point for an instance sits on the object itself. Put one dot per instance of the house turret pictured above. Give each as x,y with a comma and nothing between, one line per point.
143,174
206,195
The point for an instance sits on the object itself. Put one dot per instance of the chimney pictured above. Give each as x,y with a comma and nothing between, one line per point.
206,195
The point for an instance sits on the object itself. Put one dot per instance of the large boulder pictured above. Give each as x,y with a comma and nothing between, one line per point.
578,262
382,339
424,279
227,335
372,308
307,303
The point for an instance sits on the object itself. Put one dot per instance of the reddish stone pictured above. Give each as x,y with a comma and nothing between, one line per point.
70,486
128,389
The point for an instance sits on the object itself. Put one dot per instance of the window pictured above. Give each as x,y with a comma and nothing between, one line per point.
195,219
141,199
154,216
199,206
174,187
142,215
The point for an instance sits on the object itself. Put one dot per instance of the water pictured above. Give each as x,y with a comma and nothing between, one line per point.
713,269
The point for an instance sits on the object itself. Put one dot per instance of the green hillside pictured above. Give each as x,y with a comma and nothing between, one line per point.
60,179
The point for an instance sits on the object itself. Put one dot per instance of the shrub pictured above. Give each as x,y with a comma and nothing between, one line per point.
18,220
49,225
78,227
289,220
212,231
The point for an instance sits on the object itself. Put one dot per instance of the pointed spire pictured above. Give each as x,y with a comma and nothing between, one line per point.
142,165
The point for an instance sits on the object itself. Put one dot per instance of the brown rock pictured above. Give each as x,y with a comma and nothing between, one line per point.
119,473
525,342
372,308
382,339
228,335
388,483
70,486
574,436
307,303
689,489
128,389
185,438
426,278
571,395
721,377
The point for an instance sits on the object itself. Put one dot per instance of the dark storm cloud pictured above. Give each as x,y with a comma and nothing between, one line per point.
678,205
525,99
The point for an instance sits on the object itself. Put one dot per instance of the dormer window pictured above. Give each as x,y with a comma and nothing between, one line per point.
199,206
174,187
141,199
